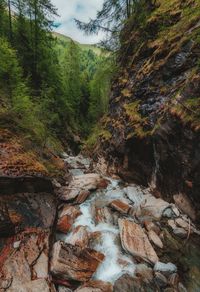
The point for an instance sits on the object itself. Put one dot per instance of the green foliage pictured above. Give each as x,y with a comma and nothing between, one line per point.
49,87
16,92
96,133
100,89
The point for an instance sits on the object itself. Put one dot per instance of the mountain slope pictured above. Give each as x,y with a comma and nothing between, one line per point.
64,40
154,115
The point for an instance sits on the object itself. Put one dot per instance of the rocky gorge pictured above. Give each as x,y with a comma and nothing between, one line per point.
93,232
151,132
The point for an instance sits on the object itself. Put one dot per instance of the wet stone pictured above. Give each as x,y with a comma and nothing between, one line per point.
135,241
74,263
166,269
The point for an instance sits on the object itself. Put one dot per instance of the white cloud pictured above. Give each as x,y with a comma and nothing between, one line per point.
80,9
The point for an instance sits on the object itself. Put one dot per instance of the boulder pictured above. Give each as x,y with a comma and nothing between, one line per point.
95,286
26,210
155,239
33,286
25,268
144,272
67,217
63,289
127,283
166,269
74,263
145,203
80,186
121,206
135,241
153,207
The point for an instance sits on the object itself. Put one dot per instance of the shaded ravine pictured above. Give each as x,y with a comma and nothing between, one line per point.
136,234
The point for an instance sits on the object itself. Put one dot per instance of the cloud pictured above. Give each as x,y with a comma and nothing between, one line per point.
80,9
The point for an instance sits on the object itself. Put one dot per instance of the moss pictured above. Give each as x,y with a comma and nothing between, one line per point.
188,112
126,92
98,132
137,122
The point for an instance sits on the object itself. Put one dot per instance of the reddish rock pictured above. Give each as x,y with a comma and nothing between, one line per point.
102,184
64,224
67,217
95,286
27,265
120,206
135,241
79,237
74,263
82,196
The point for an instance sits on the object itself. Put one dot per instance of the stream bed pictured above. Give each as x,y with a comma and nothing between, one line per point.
141,238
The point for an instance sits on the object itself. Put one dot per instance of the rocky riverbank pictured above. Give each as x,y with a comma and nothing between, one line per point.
89,232
114,236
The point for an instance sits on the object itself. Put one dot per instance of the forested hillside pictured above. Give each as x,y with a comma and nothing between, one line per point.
48,80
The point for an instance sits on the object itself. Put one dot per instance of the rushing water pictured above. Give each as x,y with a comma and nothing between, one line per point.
116,262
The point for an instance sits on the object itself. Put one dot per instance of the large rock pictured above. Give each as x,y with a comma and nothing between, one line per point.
167,269
145,204
135,241
127,283
24,262
74,263
80,187
67,217
95,286
121,206
20,211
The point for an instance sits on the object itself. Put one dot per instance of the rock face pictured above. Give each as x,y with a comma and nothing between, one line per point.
135,241
74,263
24,266
24,184
27,214
153,120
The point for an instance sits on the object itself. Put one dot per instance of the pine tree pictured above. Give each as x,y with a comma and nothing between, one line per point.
72,75
111,19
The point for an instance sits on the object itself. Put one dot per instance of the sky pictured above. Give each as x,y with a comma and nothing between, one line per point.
80,9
